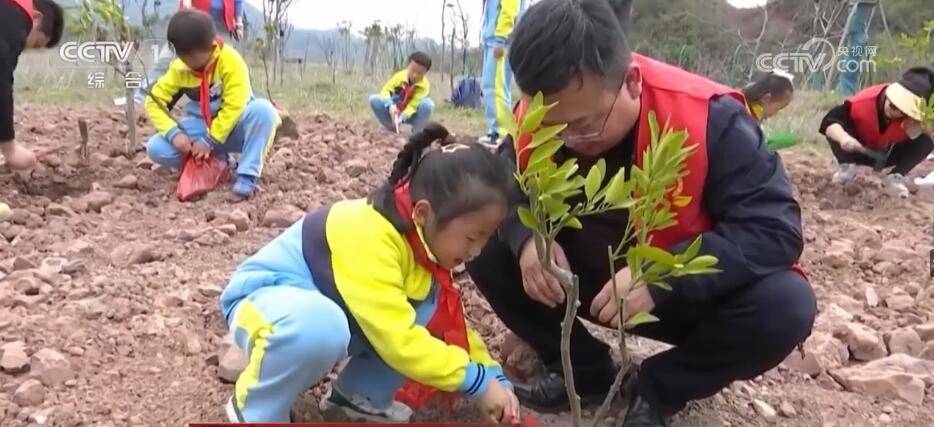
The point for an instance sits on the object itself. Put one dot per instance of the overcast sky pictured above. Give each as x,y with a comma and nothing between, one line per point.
424,15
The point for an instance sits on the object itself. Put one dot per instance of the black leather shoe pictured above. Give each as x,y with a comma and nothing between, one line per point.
549,395
641,413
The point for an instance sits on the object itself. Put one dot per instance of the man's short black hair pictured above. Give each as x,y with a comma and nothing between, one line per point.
53,20
558,40
421,58
191,31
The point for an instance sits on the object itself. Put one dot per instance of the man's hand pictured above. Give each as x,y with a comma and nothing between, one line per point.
538,283
201,149
606,308
18,157
238,30
182,143
499,404
498,52
852,145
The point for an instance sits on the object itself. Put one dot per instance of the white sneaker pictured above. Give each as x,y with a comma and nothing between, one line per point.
894,185
927,181
845,173
357,408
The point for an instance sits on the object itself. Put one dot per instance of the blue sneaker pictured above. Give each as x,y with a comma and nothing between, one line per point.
244,186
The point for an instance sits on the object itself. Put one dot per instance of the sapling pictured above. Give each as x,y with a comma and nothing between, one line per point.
554,203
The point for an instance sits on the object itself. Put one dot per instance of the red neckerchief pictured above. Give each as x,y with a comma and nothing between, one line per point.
408,89
204,91
448,322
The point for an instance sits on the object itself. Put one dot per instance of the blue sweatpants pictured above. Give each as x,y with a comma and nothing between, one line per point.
252,137
418,120
497,80
294,335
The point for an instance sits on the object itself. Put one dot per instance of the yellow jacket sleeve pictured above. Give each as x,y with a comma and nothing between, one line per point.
478,350
395,81
509,10
369,277
421,91
235,93
162,93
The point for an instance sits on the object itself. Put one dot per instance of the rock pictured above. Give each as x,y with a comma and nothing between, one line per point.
78,205
228,229
863,342
764,410
832,319
926,332
79,246
129,254
895,252
839,254
240,219
52,367
209,291
872,298
232,361
822,352
98,199
53,265
355,167
213,237
145,163
20,263
849,304
192,344
885,418
94,308
899,301
896,376
787,410
905,341
55,209
927,352
282,217
29,393
128,182
14,359
190,234
73,267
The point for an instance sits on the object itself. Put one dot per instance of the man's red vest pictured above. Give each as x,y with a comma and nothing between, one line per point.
681,99
205,6
26,6
864,112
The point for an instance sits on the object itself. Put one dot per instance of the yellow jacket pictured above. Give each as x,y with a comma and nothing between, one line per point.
357,258
394,90
230,84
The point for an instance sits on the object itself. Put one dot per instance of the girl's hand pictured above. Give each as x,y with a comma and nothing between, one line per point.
499,404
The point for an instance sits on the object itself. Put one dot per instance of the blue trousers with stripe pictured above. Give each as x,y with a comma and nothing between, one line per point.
497,81
294,335
252,137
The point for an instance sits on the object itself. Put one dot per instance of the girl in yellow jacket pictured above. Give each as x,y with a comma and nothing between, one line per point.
370,279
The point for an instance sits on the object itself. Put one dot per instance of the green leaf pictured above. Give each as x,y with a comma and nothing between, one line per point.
654,254
619,190
594,179
554,207
575,223
702,261
691,251
691,272
662,284
545,151
544,135
640,318
528,220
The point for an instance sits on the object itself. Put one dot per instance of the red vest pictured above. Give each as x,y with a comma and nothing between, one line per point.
681,99
864,112
205,6
26,6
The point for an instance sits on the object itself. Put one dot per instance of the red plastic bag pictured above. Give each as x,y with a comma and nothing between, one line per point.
200,177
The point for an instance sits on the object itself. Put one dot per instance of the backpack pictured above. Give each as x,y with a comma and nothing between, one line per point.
467,93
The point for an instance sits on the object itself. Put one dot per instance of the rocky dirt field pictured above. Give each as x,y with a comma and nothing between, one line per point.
108,286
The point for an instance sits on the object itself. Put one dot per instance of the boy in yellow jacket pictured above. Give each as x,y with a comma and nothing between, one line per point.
404,98
224,116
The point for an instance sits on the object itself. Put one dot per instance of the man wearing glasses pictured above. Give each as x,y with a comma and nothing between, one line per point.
724,327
